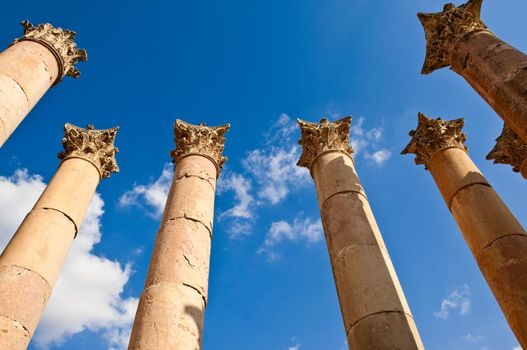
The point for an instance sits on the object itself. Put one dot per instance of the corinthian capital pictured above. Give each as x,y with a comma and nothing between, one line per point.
509,149
60,42
444,29
434,135
95,146
206,141
326,136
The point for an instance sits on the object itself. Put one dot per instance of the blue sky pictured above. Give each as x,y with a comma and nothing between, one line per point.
258,65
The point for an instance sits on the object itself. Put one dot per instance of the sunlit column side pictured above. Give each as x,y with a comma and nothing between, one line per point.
497,240
457,37
374,309
172,305
29,67
31,262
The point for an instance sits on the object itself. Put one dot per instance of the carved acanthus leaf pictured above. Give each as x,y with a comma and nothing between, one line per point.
509,149
444,29
60,42
95,146
434,135
326,136
207,141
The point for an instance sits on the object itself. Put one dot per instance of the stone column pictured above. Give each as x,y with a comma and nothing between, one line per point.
29,67
31,262
510,149
172,305
497,240
457,37
374,309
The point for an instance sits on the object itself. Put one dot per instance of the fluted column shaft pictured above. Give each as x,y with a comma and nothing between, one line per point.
457,37
29,68
172,306
31,262
374,309
496,239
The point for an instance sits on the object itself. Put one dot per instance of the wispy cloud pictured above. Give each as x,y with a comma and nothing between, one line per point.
242,214
458,300
366,142
153,196
294,344
300,229
87,294
473,338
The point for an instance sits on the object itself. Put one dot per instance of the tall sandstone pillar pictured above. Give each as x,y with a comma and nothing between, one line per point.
31,262
497,240
29,67
172,305
374,309
457,37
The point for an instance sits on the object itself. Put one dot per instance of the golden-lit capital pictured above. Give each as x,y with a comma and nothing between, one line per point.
95,146
509,149
323,137
206,141
60,42
444,29
434,135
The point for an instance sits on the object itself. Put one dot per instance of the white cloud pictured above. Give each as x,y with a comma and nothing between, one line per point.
473,338
301,229
366,142
241,187
457,300
380,156
294,344
87,294
517,348
153,195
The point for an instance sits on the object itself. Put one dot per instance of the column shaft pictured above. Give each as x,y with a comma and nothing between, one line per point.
27,71
31,262
375,312
171,309
498,72
496,239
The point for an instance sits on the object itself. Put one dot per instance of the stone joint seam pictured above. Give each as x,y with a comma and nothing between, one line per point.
345,192
203,297
20,87
18,323
464,187
187,176
497,239
3,137
216,165
185,217
63,213
377,313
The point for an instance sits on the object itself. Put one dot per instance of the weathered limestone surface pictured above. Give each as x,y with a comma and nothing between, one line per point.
31,262
172,306
510,149
497,240
30,67
374,309
457,37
